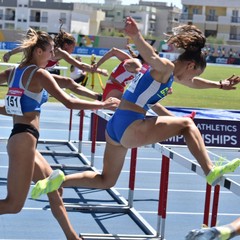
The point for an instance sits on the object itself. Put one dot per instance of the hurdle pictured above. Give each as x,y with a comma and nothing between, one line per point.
168,154
121,205
195,167
127,207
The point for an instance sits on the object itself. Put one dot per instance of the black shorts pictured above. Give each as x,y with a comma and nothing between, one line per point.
81,79
20,128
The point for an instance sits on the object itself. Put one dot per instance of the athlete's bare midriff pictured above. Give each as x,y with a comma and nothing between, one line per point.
126,105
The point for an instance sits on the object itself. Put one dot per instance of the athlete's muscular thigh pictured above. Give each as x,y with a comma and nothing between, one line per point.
21,151
153,129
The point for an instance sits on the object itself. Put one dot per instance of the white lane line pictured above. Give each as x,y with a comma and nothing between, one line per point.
188,213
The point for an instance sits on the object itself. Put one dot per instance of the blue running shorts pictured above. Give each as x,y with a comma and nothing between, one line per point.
119,122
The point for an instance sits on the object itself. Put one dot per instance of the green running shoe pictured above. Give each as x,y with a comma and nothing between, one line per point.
214,176
47,185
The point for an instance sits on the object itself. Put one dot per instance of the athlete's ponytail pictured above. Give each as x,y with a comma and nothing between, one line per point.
191,40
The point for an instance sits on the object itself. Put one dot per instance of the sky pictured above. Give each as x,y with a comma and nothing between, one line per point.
127,2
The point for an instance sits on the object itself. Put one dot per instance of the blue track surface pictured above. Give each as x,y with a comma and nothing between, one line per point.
186,193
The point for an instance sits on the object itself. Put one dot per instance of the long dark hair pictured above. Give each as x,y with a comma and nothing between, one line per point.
63,37
191,40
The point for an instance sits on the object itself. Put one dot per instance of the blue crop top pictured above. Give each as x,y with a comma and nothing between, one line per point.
144,91
30,101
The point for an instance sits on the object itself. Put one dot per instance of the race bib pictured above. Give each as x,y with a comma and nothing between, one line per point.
134,82
12,101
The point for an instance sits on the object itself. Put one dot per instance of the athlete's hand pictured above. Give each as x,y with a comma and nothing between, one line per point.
6,57
229,83
131,27
94,67
111,103
104,72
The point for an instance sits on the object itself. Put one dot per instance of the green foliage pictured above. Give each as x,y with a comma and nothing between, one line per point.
112,33
214,40
182,96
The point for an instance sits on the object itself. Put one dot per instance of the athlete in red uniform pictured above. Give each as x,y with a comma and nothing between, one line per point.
122,74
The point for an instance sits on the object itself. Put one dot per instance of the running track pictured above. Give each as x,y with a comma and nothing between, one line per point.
186,193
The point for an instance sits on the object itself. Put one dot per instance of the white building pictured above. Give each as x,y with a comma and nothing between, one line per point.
45,15
87,19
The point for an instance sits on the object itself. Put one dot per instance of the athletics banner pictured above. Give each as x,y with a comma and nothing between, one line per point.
8,45
215,133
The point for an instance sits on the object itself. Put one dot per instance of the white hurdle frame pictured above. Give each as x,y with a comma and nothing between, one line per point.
168,154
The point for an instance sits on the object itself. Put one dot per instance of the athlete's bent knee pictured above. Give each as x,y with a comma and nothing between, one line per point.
14,207
108,184
188,125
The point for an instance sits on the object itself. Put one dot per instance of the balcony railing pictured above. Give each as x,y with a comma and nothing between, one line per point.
44,19
211,18
235,19
186,16
34,18
234,36
9,17
41,19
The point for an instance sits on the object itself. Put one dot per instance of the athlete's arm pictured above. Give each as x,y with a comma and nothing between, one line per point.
47,82
161,67
201,83
3,79
83,66
66,82
132,65
3,111
8,54
113,52
160,110
4,76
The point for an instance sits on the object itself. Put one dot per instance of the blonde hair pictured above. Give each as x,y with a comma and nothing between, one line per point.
34,39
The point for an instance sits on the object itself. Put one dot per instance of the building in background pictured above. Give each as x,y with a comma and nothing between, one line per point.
154,18
218,18
89,19
45,15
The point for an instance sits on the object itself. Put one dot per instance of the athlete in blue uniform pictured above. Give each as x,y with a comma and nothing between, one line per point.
19,100
129,128
145,92
28,87
64,45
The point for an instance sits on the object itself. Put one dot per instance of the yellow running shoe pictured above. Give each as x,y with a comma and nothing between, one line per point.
214,233
214,176
47,185
203,234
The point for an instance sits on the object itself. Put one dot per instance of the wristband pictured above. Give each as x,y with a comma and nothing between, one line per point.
221,85
99,97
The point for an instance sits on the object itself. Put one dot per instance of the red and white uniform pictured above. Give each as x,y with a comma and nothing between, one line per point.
51,64
119,78
121,75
